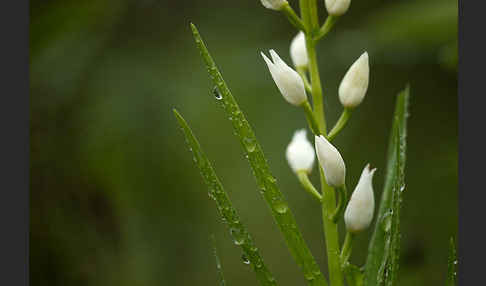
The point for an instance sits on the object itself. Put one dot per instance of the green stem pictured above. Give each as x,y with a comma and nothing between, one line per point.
301,72
292,17
314,16
316,85
343,119
310,118
340,205
311,20
331,233
328,24
347,248
307,184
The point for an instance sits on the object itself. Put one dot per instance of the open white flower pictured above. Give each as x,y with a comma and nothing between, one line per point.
337,7
287,80
298,51
354,85
331,162
361,206
274,4
300,153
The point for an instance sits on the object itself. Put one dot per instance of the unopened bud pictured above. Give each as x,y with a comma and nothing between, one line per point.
331,162
359,212
274,4
298,51
337,7
300,153
354,85
287,80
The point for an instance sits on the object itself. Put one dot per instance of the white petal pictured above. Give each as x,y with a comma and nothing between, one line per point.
298,51
359,212
337,7
300,153
354,85
288,81
331,162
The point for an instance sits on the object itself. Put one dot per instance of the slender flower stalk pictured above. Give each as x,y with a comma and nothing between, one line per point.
343,119
347,248
308,186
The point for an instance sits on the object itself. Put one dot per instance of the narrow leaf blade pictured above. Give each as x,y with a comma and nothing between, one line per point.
386,237
225,208
265,180
452,264
222,281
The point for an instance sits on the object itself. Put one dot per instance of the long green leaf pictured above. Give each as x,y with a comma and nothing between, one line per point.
452,265
382,261
393,254
222,281
238,231
265,180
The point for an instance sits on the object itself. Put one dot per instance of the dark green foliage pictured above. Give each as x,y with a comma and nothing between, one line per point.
266,181
452,264
384,249
238,231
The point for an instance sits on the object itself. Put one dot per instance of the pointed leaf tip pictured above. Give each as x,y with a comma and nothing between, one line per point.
177,115
194,29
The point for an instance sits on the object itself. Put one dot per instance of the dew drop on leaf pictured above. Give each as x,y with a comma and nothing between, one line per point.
280,207
245,259
216,93
238,237
250,144
386,221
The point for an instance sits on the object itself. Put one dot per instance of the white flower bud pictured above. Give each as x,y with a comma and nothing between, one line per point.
359,212
274,4
298,51
287,80
337,7
353,87
331,162
300,153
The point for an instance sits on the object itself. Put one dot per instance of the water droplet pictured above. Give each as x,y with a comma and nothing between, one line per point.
386,221
238,237
402,188
271,179
309,276
250,144
455,262
245,259
280,207
216,93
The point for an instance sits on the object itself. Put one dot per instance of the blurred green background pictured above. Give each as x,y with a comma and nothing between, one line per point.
115,198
